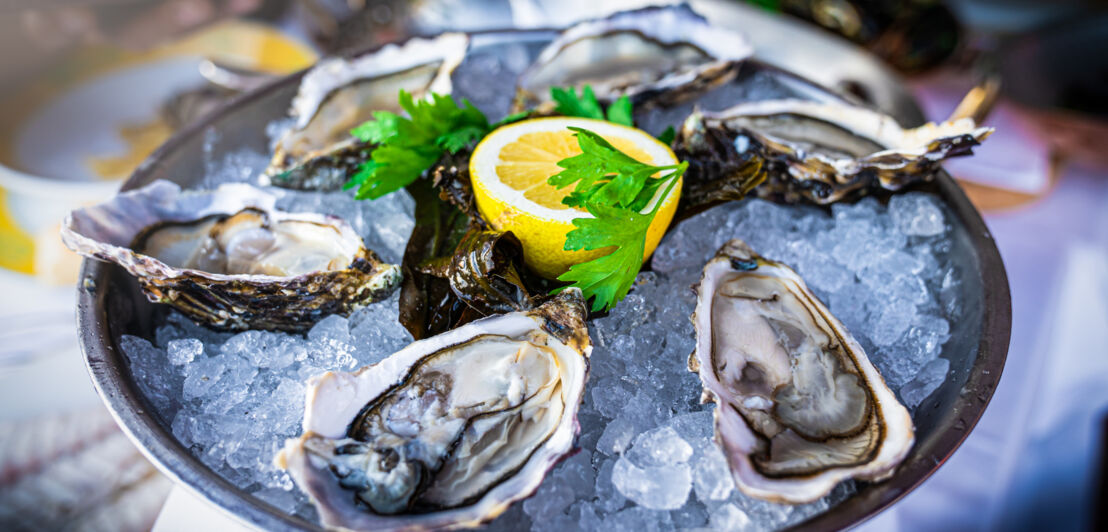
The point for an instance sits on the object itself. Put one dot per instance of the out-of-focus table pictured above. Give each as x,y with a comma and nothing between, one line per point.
63,462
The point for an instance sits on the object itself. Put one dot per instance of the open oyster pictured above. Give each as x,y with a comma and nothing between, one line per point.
640,53
450,430
337,94
227,258
799,406
823,152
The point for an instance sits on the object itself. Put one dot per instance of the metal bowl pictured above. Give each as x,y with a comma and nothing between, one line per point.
110,304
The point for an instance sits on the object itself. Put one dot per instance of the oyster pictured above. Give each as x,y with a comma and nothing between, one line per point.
640,53
228,259
450,430
337,94
799,406
823,152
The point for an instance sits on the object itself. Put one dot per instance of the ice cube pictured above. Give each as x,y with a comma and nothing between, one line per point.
929,378
657,488
691,515
658,447
616,437
610,396
608,498
637,519
890,321
551,499
730,517
694,426
184,350
201,375
711,474
917,214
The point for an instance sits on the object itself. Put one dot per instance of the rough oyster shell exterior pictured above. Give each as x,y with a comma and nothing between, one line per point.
823,152
108,232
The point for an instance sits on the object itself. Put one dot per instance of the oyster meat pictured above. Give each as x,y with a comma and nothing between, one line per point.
799,406
450,430
825,152
640,53
337,94
227,258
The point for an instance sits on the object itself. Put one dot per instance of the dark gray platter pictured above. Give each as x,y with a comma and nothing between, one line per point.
110,304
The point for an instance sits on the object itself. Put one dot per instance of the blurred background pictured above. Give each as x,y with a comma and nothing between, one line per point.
89,88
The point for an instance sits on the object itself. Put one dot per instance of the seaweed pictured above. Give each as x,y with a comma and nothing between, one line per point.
717,172
456,269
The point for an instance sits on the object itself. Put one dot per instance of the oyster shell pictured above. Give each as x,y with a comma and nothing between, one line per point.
825,152
799,406
450,430
337,94
227,258
640,53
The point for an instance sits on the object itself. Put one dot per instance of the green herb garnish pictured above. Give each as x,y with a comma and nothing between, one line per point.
408,146
587,106
611,185
614,188
668,135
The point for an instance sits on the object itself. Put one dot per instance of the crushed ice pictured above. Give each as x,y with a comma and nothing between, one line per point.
647,461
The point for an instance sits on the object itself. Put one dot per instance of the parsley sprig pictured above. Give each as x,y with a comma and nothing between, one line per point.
587,106
614,188
408,146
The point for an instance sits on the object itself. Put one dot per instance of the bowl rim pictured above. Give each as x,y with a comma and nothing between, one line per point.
131,411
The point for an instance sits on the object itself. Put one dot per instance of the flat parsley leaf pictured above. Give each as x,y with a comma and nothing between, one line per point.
620,112
383,127
614,188
408,146
603,174
592,168
587,106
569,104
607,279
668,135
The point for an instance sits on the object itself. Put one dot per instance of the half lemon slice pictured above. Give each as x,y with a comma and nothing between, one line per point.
509,170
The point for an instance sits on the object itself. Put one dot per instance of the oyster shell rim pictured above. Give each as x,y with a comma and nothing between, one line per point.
263,201
632,21
318,84
893,449
399,57
860,121
561,318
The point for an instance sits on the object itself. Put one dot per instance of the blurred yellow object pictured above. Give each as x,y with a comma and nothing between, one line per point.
18,248
33,199
54,263
141,140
